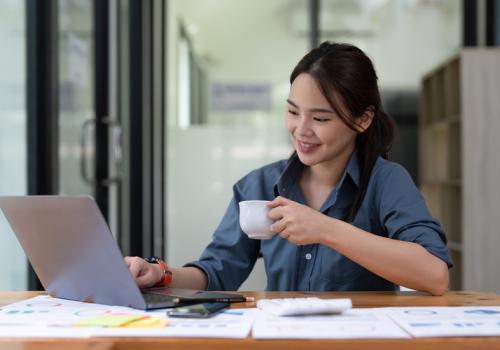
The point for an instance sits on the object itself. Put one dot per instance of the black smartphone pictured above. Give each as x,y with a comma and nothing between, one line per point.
204,310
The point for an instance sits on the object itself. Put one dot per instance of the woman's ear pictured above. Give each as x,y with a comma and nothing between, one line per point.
364,122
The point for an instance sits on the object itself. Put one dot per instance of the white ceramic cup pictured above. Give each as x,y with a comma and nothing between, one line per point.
254,219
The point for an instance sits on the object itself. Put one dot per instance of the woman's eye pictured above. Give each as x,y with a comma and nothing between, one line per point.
293,112
322,120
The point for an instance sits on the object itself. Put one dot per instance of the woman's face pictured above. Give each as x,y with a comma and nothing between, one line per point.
318,134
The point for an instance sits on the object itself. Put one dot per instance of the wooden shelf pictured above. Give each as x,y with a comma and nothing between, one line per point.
458,109
440,161
447,182
443,125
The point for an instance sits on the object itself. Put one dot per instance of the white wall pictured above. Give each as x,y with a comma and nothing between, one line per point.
204,163
412,40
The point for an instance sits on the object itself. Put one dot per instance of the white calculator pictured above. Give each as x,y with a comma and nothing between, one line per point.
304,306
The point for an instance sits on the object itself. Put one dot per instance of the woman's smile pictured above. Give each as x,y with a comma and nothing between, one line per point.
307,147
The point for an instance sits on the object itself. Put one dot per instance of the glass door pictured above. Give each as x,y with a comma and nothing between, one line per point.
76,124
111,93
65,90
89,145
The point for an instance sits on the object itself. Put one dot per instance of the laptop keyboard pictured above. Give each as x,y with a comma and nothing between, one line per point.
154,298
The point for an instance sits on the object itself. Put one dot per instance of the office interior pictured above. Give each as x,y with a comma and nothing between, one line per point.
155,108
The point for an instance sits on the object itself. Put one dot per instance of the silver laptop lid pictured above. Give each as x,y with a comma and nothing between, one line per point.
71,249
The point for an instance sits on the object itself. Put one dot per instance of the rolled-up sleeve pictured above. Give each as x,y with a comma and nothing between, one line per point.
229,258
405,216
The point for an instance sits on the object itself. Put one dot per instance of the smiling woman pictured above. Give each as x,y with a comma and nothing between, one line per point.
345,217
339,81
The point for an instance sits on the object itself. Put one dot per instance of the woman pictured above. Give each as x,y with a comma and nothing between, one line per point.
346,218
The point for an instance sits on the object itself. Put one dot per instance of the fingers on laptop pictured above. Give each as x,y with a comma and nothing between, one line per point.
146,280
138,268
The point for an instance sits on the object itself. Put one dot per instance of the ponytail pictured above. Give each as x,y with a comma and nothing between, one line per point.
374,142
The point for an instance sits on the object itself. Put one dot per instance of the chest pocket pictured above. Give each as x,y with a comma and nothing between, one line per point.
337,270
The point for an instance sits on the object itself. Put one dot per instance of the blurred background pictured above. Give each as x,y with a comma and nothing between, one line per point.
156,108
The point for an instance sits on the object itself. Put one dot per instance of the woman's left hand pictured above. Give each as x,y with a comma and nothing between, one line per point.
298,223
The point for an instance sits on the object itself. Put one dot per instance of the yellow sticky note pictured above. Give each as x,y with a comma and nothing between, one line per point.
150,322
109,320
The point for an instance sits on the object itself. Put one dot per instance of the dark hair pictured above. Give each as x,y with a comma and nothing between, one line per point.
347,78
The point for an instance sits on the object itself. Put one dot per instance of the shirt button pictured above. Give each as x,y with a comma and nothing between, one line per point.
308,256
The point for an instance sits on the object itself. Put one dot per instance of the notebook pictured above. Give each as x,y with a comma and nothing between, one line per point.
75,256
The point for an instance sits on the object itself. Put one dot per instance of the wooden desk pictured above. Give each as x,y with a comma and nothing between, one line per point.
359,299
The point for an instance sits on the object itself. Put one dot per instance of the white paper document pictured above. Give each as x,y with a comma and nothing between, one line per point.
44,316
232,323
354,323
448,321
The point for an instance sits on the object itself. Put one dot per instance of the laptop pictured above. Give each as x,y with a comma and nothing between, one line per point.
75,256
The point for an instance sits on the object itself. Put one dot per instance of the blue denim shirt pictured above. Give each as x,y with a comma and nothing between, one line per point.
392,207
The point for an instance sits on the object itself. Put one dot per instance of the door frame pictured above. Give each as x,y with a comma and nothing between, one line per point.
146,190
42,103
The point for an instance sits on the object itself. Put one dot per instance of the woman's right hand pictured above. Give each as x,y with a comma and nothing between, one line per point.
144,273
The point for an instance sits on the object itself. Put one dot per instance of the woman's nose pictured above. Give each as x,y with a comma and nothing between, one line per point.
304,127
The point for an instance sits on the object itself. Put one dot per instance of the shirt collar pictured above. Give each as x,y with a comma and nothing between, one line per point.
291,174
353,168
289,177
